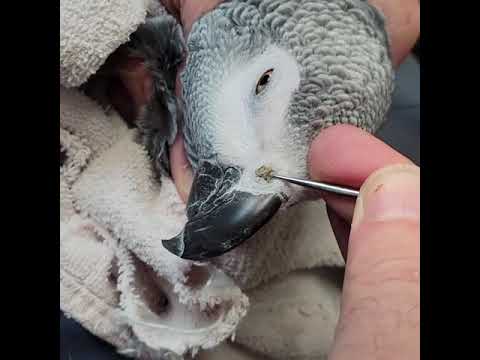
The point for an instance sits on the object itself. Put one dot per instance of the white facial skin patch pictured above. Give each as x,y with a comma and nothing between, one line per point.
251,128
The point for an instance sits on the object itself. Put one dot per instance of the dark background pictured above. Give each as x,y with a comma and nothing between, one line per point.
402,130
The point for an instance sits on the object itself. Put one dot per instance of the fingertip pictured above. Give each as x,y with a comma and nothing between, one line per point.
320,158
391,193
346,155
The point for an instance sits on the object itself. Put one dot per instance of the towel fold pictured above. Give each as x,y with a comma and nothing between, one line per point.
114,270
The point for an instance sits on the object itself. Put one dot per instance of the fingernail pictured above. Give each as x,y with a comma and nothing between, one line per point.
392,193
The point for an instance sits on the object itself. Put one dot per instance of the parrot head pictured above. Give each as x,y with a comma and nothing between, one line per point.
262,78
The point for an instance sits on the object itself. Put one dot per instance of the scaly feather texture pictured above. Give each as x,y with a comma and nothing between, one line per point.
340,46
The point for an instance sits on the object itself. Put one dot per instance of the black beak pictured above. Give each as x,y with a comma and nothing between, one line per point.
220,218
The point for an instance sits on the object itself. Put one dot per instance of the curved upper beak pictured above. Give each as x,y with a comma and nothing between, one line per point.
220,217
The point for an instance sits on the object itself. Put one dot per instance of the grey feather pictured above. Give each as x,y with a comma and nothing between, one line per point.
341,47
160,42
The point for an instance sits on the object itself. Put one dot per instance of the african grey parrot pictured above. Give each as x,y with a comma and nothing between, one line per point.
262,78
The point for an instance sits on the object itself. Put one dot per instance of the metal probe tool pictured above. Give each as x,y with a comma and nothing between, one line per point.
341,190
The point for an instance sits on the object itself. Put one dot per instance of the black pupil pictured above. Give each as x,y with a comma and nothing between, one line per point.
264,79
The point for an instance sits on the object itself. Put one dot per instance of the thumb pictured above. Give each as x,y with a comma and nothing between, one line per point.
380,301
389,194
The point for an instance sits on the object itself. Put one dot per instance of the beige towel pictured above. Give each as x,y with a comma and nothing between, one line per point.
116,278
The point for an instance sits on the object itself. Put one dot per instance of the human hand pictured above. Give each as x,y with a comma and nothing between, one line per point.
380,301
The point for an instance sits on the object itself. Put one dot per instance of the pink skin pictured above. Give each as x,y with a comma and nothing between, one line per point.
350,167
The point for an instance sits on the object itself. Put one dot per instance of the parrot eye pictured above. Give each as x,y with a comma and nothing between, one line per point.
262,83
